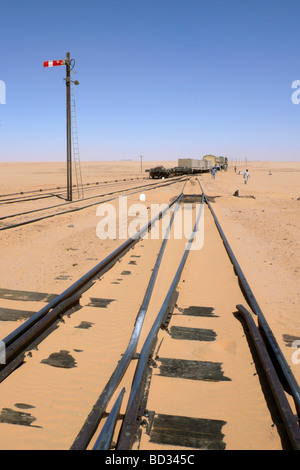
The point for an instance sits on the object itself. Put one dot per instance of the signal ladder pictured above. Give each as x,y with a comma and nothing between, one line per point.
74,132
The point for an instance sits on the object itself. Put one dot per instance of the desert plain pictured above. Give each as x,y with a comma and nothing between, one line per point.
262,226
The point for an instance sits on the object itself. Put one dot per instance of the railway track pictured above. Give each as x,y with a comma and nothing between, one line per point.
24,218
196,365
59,191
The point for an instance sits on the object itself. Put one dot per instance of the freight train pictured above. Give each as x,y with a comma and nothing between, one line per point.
189,166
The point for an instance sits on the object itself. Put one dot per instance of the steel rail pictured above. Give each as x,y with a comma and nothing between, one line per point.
135,189
285,410
59,194
28,199
83,283
14,353
64,188
105,437
132,414
274,349
92,422
150,185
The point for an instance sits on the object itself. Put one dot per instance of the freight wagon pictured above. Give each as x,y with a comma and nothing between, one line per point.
197,166
159,172
188,166
211,159
221,162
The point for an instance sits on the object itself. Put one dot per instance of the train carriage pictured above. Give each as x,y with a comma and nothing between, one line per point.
188,166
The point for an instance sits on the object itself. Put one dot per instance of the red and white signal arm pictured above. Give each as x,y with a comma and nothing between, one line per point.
53,63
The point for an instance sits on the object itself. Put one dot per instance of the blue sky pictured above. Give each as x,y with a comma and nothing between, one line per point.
160,78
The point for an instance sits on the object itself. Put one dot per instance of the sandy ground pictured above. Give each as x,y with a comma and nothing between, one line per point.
263,232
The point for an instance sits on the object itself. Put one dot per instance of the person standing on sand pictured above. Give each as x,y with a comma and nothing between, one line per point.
246,176
213,172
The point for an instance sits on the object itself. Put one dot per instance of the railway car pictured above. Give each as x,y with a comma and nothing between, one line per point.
159,172
207,164
212,159
188,163
188,166
181,170
222,162
194,165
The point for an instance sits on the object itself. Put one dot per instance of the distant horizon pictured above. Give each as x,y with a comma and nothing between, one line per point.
242,161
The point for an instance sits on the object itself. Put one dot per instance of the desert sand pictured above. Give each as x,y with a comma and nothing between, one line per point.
262,226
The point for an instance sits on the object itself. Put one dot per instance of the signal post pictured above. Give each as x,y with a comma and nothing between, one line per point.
67,63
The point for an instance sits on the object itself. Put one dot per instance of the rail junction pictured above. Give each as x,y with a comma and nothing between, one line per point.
194,357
